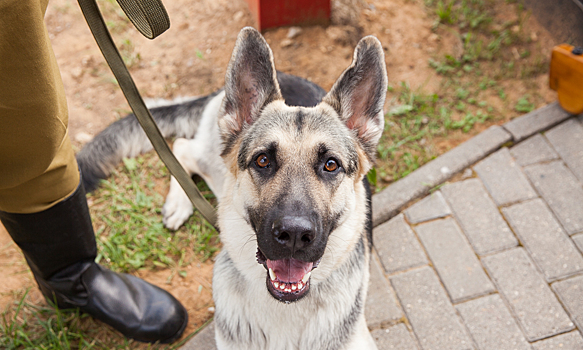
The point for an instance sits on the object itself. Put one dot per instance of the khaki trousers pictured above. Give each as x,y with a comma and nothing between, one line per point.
37,163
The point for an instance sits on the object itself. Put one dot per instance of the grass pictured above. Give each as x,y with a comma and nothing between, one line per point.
28,326
127,214
130,237
492,50
415,121
25,325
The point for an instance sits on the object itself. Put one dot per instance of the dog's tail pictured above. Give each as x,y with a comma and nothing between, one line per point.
125,137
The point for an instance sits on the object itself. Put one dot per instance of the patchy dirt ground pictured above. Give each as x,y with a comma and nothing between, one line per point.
191,58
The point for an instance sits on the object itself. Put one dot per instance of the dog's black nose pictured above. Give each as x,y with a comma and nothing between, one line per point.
295,232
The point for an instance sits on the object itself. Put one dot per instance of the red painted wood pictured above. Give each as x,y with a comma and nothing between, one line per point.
278,13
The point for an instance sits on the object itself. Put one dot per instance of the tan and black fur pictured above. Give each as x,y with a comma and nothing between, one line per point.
294,205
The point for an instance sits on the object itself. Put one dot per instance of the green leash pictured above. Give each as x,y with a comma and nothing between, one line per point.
151,19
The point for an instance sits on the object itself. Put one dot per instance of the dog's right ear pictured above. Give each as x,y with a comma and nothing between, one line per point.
250,83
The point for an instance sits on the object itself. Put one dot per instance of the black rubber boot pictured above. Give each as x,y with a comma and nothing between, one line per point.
59,246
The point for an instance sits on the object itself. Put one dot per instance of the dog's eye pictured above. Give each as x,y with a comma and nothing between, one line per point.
262,161
331,165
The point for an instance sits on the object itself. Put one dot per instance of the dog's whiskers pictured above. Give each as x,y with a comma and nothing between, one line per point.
250,238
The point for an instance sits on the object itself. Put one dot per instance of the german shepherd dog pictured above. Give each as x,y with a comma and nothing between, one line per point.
294,205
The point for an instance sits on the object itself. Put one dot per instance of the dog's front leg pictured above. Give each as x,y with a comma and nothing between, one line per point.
178,207
201,156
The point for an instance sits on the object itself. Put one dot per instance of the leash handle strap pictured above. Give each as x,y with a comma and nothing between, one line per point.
140,12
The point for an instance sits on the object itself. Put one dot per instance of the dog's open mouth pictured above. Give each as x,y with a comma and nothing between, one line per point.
287,279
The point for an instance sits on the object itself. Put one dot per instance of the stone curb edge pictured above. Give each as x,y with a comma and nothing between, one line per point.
390,201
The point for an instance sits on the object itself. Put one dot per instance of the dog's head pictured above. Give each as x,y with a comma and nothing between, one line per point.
295,170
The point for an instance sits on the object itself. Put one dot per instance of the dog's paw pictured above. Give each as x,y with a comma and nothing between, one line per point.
176,210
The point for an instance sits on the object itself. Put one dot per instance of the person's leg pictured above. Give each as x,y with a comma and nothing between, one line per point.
42,201
37,164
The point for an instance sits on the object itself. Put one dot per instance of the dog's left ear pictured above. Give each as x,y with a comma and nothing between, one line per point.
358,96
250,83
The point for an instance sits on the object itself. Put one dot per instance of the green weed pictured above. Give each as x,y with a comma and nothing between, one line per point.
128,54
524,105
444,12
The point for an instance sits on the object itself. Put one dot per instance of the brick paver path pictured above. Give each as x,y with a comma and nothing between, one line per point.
493,261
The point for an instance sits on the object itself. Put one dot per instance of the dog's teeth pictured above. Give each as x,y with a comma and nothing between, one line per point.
306,277
275,284
282,286
288,290
271,274
294,287
300,285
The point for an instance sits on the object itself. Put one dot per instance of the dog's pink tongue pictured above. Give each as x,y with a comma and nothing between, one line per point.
289,270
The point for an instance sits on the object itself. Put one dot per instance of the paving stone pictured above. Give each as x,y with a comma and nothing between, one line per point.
533,150
431,207
381,303
478,216
389,201
491,324
454,260
538,311
504,179
570,293
543,237
567,139
396,337
562,192
578,239
536,121
397,246
204,340
429,311
568,341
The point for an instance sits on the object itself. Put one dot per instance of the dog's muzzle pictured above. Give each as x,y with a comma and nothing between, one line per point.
288,279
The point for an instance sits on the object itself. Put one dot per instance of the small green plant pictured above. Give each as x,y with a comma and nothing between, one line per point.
128,54
523,105
502,38
444,12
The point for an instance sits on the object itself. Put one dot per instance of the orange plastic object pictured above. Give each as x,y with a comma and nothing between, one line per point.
278,13
566,77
